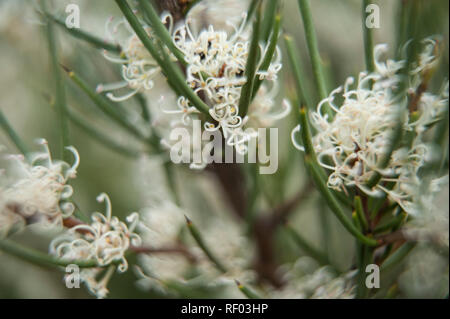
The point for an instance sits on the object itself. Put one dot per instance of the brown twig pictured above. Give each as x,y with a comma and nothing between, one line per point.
395,237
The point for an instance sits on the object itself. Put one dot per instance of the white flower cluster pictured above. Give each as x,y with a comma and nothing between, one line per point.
38,192
105,241
352,144
216,63
216,66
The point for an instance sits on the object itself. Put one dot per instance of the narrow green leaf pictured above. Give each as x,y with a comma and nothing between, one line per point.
392,224
334,205
101,137
9,130
39,258
360,213
368,38
396,257
270,11
270,51
249,293
201,243
311,39
105,106
294,59
160,30
251,10
250,68
86,36
60,93
173,74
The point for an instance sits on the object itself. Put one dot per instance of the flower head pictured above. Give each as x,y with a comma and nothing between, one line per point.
106,239
355,141
38,191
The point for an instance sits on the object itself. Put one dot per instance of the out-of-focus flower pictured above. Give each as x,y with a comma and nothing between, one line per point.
430,222
426,274
38,190
306,280
139,69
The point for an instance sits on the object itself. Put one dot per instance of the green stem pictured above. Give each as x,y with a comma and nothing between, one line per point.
101,137
110,110
367,256
368,39
334,205
12,134
160,30
268,21
250,294
360,213
392,224
297,70
269,53
250,68
60,94
85,36
313,48
201,243
39,258
397,256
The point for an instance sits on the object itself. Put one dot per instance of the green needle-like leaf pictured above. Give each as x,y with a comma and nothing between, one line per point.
39,258
334,205
160,30
9,130
397,256
249,293
86,36
250,68
316,62
101,137
60,91
360,213
368,39
270,51
103,104
201,243
173,74
294,59
268,20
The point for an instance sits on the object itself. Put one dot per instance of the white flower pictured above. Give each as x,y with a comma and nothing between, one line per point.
105,240
352,144
216,66
430,222
38,191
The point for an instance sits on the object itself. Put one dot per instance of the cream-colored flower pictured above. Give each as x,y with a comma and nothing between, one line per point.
37,191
